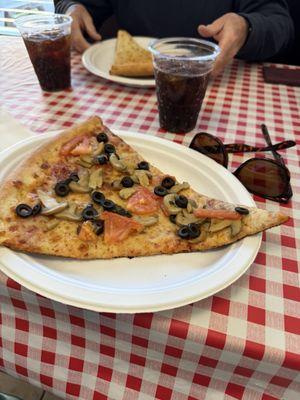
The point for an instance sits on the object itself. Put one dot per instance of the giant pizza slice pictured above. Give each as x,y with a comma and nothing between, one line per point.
88,194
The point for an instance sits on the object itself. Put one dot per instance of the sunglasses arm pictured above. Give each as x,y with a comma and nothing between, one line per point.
267,138
245,148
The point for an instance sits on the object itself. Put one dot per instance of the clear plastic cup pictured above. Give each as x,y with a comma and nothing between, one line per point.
181,67
48,42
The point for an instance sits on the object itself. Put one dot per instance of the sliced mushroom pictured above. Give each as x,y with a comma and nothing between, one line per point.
70,214
126,193
142,177
50,203
135,178
202,202
184,218
116,163
217,225
99,149
82,186
47,199
236,226
84,164
169,203
192,205
50,225
147,221
130,165
116,185
96,179
181,186
130,171
77,188
56,209
87,158
187,214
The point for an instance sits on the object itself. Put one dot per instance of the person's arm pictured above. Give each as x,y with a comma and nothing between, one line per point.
230,32
87,16
99,10
271,28
256,31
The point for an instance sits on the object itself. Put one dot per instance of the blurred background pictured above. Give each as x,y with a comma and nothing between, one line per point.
10,9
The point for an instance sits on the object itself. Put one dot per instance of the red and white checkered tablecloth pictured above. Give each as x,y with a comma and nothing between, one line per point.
243,342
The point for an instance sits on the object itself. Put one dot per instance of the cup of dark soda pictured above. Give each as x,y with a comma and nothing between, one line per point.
181,67
48,42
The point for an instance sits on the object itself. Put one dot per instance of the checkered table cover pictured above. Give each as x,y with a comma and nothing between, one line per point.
241,343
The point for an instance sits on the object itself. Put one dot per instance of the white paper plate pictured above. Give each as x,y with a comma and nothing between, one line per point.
146,283
99,58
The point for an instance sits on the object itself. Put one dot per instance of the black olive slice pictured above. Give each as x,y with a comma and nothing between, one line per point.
181,201
168,182
194,230
160,191
121,211
143,165
23,210
102,137
109,148
184,232
127,182
108,205
36,209
102,159
62,189
242,210
98,197
172,218
98,226
89,213
74,177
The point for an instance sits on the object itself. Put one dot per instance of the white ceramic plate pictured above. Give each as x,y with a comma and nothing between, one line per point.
99,58
146,283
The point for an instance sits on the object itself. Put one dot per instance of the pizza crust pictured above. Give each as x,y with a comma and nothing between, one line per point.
132,69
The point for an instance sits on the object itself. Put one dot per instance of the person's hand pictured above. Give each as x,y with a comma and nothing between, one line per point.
230,31
82,23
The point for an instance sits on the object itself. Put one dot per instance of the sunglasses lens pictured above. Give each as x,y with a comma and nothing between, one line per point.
210,146
263,177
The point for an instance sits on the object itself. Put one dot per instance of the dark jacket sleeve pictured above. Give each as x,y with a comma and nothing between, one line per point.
271,28
61,6
100,10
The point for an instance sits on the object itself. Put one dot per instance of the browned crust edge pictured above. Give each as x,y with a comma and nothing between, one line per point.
132,69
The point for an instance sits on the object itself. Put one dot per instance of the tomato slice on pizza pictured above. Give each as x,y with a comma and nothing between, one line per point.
118,228
143,202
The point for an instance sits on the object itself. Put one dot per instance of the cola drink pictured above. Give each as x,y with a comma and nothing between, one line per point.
48,41
179,100
182,67
50,57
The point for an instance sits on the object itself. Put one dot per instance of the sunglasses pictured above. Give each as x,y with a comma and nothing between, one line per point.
264,177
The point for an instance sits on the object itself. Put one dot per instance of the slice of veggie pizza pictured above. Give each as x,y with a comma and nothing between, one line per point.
87,194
